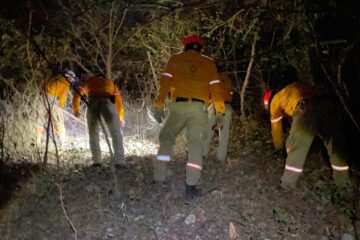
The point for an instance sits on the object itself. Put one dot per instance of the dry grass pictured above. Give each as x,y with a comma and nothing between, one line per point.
105,204
18,118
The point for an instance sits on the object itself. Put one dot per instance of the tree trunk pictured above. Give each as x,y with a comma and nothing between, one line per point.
248,72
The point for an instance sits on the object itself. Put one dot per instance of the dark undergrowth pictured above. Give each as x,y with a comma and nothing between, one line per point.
12,177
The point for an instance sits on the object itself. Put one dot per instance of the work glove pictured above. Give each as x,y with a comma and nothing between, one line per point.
159,115
122,123
219,116
280,153
77,114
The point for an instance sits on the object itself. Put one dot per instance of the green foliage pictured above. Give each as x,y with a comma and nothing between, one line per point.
12,50
247,135
344,198
132,43
111,37
287,220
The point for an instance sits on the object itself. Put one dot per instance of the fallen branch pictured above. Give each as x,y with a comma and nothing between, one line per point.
156,235
65,213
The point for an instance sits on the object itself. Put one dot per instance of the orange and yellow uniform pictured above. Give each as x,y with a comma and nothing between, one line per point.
191,75
189,79
104,102
56,91
99,87
227,88
312,113
223,121
58,87
283,104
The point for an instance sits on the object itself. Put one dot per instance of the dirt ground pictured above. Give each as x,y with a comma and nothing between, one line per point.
240,200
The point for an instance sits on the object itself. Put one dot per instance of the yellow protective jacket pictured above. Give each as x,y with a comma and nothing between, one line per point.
283,104
98,86
227,87
58,87
191,75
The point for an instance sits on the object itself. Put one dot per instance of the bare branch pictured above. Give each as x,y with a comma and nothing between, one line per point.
65,212
247,77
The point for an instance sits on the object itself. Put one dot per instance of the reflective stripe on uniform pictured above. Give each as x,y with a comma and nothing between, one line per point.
276,119
168,74
194,166
214,81
116,94
59,130
340,168
163,157
293,169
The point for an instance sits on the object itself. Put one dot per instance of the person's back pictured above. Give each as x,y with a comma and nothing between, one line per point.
58,87
286,100
191,75
99,86
190,78
227,87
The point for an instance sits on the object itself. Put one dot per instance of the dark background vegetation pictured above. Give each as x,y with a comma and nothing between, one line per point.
316,41
130,41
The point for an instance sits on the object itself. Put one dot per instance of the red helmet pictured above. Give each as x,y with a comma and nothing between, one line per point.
267,99
192,39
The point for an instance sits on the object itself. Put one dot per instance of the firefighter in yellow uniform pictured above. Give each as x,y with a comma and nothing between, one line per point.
104,102
189,77
222,123
56,92
312,114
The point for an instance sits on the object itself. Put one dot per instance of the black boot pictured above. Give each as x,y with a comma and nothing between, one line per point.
160,186
120,166
191,192
96,165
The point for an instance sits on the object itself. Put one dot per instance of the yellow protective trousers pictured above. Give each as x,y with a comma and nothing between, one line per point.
98,109
316,116
191,116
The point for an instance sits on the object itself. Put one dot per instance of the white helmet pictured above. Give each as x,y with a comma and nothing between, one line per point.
70,75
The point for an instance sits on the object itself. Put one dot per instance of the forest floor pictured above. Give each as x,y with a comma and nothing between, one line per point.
240,199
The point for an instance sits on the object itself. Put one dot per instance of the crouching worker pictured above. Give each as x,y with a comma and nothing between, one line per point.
220,121
313,113
190,77
104,102
55,93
